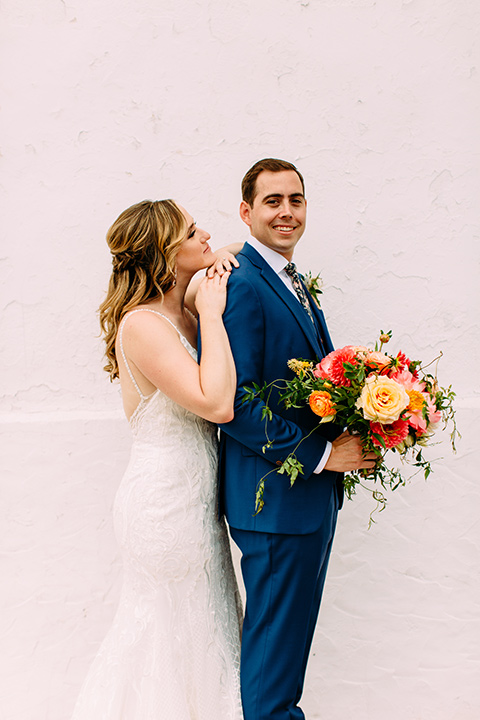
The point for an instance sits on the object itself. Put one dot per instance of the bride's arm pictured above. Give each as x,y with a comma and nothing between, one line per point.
225,258
153,348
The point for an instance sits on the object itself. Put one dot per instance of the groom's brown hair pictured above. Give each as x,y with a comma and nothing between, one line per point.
249,182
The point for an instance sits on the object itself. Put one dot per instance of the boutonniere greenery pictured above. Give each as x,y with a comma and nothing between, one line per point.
314,284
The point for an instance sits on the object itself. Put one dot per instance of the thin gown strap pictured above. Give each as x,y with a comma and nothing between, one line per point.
120,339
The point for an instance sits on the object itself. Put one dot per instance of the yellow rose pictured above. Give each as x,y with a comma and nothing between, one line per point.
382,399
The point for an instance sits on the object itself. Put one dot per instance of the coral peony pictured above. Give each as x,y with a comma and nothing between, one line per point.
393,434
332,366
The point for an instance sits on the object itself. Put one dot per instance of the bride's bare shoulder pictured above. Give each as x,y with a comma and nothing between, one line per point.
144,324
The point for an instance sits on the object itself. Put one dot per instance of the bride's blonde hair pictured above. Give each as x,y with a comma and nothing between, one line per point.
144,241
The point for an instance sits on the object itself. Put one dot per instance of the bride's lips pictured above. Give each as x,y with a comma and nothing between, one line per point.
207,249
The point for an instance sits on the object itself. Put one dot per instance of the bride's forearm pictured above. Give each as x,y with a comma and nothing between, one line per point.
217,370
233,248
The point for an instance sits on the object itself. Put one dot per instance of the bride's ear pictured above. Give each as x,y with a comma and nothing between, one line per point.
245,213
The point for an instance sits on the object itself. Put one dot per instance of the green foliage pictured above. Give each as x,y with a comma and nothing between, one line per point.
296,391
259,502
292,467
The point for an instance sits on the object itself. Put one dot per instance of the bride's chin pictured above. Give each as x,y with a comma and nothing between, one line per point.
208,263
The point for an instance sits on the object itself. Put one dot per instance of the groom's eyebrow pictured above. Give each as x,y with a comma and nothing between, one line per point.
280,195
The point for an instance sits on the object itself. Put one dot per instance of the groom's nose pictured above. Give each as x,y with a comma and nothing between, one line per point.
285,209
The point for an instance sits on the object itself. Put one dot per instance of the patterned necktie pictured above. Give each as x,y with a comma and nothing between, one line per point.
291,271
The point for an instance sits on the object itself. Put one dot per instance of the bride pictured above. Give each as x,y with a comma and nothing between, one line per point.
173,650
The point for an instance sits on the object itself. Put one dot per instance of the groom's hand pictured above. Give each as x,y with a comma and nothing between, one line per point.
347,454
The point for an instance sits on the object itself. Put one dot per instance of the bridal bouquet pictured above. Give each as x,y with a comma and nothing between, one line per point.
388,400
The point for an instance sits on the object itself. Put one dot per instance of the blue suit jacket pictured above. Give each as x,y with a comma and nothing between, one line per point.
267,326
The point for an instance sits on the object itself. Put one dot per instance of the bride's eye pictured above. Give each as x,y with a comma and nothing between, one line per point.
192,233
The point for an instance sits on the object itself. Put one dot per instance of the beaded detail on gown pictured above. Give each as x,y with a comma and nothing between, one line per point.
173,651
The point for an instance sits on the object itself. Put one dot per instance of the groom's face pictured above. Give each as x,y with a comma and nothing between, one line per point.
277,216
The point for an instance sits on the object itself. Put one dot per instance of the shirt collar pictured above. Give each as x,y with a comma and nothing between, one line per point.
276,261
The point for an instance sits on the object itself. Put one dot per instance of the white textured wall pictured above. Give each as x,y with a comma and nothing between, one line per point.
106,103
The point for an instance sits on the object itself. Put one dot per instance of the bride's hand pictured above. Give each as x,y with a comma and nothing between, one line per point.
212,295
222,264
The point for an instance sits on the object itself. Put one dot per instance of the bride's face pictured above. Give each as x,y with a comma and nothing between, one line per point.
195,252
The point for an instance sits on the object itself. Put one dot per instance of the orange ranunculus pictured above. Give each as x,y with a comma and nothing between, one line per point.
321,404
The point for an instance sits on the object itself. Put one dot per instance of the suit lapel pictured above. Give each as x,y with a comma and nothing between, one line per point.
299,314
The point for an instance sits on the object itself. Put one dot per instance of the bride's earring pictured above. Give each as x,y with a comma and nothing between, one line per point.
174,276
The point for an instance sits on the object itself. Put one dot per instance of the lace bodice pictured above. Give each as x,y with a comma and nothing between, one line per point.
157,415
173,650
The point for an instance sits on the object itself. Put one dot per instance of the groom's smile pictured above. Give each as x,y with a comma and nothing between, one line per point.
278,214
284,228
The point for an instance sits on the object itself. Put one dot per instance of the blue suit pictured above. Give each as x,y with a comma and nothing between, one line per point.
285,548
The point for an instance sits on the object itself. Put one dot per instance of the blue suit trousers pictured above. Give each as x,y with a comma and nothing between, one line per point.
284,577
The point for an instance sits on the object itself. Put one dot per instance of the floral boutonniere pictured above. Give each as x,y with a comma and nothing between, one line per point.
314,284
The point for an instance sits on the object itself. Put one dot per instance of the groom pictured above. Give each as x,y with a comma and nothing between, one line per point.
285,548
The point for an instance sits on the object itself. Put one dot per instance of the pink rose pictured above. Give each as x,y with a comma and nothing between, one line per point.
434,415
377,360
420,403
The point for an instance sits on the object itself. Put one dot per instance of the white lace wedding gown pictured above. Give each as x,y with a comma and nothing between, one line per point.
173,650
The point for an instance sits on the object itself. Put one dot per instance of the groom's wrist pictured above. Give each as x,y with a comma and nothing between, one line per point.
324,458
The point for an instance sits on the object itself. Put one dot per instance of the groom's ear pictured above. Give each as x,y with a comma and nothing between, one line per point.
245,213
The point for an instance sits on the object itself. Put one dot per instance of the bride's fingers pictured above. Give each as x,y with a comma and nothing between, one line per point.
222,265
228,259
215,269
221,280
217,280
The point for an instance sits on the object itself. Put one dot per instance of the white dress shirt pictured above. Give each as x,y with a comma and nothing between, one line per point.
278,264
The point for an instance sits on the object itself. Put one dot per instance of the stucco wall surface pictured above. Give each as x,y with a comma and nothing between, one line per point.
106,103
